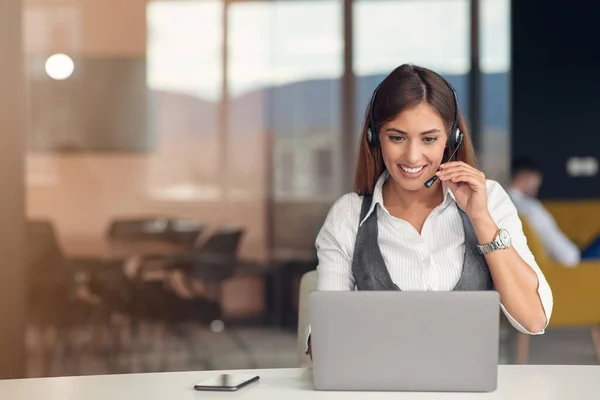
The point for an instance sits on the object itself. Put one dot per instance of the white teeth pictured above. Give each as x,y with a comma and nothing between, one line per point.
411,170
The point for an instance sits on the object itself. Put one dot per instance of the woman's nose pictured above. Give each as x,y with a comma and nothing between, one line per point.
413,152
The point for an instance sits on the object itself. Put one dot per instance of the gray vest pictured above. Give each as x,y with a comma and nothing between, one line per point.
371,273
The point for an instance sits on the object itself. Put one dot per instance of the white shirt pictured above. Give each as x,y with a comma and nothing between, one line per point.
431,260
556,244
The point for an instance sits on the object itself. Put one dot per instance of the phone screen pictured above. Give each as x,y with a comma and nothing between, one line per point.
226,382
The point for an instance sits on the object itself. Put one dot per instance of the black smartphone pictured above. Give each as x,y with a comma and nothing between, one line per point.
226,382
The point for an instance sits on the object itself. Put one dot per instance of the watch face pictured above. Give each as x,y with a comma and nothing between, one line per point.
504,237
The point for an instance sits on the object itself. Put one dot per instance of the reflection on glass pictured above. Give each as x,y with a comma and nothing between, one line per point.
494,36
184,47
430,33
284,82
494,157
184,77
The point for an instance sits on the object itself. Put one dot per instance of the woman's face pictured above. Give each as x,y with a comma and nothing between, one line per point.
412,145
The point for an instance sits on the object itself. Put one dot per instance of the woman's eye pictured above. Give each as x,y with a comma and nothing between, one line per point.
429,140
396,138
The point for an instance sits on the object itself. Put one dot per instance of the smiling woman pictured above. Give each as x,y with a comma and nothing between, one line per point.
420,133
396,232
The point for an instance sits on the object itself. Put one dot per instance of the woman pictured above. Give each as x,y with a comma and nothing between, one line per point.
418,221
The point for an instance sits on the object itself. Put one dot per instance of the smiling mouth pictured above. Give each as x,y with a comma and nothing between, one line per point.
412,170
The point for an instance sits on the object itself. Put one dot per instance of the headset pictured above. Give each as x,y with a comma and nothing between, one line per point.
454,139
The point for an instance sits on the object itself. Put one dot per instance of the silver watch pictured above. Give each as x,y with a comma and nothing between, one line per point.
501,241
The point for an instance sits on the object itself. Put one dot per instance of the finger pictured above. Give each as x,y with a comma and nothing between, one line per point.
451,175
461,167
456,163
472,180
453,164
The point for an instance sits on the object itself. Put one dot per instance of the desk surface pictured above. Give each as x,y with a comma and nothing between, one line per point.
514,382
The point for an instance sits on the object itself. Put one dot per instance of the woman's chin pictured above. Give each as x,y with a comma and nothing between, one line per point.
411,181
409,184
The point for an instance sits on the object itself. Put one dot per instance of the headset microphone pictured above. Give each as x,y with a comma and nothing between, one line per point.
434,178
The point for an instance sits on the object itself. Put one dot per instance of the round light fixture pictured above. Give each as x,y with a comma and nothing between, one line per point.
60,67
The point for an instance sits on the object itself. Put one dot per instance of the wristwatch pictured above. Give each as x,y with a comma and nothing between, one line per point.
501,241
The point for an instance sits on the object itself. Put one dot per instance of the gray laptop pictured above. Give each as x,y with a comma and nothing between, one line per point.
405,341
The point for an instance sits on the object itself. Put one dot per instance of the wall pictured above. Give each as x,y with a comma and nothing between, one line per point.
104,105
83,192
13,128
556,91
102,145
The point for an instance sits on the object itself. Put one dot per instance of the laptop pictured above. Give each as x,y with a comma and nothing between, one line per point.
405,341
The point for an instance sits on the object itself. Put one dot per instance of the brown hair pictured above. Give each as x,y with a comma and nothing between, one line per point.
404,88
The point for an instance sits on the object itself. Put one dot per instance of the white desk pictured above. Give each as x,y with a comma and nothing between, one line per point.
514,383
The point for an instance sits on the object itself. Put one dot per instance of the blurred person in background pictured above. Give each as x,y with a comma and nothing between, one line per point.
526,180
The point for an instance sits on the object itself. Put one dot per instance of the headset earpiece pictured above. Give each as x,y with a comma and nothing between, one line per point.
454,138
459,137
371,137
372,134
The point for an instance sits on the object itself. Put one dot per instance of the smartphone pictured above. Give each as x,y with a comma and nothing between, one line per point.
226,382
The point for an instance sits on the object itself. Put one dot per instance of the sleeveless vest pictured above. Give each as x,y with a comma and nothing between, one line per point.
371,273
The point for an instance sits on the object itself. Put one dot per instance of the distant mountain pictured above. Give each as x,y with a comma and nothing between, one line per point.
181,114
305,106
308,105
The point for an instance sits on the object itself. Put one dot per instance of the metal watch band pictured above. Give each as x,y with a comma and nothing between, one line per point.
501,241
487,248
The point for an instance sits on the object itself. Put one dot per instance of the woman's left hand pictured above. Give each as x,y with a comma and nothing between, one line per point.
468,186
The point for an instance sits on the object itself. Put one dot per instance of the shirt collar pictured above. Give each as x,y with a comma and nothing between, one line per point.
378,195
448,196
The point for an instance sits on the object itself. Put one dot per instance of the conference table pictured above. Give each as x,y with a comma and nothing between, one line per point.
514,382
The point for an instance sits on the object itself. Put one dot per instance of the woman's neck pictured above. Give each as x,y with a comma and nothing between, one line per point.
395,196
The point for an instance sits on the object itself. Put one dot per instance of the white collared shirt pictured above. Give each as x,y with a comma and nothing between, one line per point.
431,260
556,244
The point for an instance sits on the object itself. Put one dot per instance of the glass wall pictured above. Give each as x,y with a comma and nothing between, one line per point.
184,78
495,69
162,131
430,33
168,130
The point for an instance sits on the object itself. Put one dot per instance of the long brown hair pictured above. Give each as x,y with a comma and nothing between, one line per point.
404,88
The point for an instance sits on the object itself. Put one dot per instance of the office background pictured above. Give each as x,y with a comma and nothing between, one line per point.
243,116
